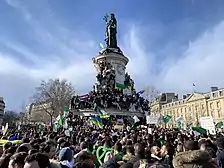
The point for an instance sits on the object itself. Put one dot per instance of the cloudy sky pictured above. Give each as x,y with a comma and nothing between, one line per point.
170,43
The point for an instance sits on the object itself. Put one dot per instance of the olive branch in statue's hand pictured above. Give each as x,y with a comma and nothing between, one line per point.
106,18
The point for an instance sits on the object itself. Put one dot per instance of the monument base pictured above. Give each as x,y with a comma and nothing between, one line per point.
89,112
113,56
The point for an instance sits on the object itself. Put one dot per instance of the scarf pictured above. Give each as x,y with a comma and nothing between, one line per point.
67,163
84,150
156,157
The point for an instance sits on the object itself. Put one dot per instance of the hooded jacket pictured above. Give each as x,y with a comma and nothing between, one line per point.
193,159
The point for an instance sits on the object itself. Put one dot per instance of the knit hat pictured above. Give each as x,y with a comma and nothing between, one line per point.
66,154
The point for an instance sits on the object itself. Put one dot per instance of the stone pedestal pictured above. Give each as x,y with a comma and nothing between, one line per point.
89,112
115,58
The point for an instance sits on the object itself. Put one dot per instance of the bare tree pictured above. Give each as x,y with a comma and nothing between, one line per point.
23,115
52,95
151,93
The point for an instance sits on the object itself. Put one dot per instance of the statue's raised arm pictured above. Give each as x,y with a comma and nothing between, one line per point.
111,31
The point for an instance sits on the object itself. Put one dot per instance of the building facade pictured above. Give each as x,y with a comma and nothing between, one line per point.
191,107
38,112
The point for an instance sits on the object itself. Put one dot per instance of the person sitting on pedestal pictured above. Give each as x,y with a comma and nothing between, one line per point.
99,78
77,102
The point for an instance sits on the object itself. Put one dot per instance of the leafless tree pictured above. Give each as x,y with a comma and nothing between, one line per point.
52,95
151,93
23,115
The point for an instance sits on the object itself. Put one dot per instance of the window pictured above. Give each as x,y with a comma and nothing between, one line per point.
219,113
203,113
220,93
181,112
211,105
218,105
196,108
191,116
202,107
212,113
213,95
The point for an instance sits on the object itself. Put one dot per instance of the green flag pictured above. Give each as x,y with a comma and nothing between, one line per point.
178,125
199,130
103,114
41,128
128,128
166,118
162,141
59,120
219,124
120,86
55,127
131,121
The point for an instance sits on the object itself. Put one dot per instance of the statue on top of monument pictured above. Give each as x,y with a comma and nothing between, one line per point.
111,31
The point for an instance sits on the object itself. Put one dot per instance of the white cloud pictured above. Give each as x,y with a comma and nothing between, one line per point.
201,63
71,57
140,60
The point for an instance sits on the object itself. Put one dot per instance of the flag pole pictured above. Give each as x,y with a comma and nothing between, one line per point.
193,88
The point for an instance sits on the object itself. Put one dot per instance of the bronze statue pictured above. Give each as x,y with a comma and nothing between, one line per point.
111,31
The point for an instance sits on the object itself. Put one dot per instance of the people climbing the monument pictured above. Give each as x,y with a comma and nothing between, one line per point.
106,76
106,95
110,98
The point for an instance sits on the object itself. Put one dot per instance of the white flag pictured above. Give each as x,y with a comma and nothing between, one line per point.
136,119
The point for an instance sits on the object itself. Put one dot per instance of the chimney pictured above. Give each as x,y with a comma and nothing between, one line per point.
184,96
214,89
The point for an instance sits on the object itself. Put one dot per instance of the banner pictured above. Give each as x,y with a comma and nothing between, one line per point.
208,124
152,119
120,75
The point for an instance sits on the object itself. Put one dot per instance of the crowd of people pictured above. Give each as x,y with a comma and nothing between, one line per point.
111,98
142,147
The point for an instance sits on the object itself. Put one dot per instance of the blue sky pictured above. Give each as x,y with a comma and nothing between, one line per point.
170,43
